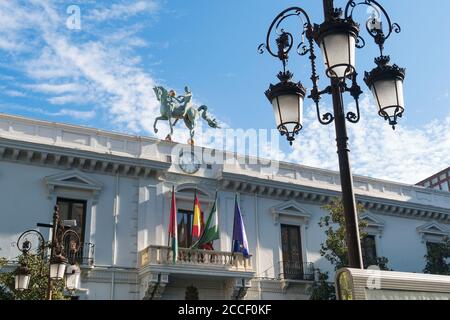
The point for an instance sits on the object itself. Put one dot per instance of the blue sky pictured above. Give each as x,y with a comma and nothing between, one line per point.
101,75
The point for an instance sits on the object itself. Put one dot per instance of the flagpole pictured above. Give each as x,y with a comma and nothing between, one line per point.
168,233
193,215
234,218
193,221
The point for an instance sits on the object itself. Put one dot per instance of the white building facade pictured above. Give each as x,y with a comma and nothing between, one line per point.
118,188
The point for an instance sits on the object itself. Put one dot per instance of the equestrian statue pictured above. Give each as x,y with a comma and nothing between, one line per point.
180,107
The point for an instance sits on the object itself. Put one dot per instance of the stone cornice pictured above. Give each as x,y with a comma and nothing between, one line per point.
297,192
71,158
104,274
193,270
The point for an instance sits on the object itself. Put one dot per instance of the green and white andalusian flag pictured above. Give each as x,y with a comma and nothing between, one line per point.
211,230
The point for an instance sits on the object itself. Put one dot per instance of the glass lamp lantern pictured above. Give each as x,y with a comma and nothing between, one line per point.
73,274
57,267
22,278
287,100
386,84
337,40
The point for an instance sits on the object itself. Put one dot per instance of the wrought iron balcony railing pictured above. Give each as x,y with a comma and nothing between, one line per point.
296,271
84,256
160,255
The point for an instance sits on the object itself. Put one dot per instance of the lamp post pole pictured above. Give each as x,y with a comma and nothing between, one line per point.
348,196
328,8
52,250
57,261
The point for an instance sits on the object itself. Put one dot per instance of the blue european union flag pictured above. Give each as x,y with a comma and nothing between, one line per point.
240,243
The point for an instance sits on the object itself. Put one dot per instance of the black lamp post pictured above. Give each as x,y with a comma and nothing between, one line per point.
338,37
58,263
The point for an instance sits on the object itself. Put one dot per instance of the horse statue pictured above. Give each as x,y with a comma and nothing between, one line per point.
180,107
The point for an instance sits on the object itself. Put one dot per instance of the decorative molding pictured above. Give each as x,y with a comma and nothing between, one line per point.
290,209
104,275
71,158
73,179
155,286
239,288
301,286
432,232
320,196
186,191
375,225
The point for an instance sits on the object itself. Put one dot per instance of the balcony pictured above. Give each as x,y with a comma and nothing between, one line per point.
192,261
296,271
84,256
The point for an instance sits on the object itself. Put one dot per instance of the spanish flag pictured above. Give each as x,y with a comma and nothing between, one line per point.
197,224
210,230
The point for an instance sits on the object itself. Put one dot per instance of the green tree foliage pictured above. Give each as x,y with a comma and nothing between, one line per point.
323,289
437,258
334,249
5,293
37,290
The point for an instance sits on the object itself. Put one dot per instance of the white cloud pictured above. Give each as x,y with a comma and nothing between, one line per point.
55,88
102,73
14,93
76,114
123,10
65,99
82,115
11,92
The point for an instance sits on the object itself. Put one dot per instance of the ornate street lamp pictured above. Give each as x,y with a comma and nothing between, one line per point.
287,102
22,274
57,267
386,83
58,263
22,278
73,274
338,37
337,40
61,237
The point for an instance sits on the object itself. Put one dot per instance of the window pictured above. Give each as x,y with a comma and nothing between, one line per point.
73,210
292,252
434,251
369,251
70,209
185,224
185,219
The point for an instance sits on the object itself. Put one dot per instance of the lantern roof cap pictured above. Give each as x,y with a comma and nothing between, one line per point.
335,25
285,87
384,71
